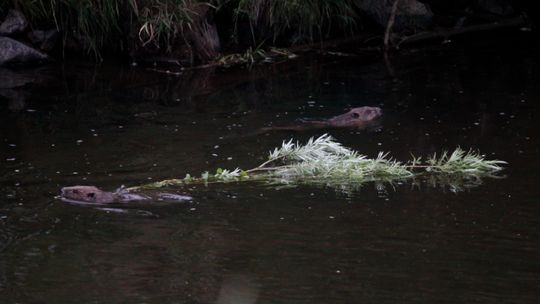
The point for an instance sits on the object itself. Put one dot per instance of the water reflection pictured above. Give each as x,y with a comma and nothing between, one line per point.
238,289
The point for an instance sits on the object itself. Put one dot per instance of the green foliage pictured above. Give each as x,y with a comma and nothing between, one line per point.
323,161
161,22
461,161
99,24
102,24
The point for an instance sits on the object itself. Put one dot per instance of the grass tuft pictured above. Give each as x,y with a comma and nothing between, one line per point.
303,21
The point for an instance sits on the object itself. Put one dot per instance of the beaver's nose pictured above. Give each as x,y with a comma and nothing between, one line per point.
63,191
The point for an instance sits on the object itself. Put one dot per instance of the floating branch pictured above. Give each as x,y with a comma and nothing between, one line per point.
323,161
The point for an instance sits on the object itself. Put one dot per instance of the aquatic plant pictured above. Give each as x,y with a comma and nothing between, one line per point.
324,161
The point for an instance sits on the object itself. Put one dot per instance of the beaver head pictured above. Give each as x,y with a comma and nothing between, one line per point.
356,117
88,194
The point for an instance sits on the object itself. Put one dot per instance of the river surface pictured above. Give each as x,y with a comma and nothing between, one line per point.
252,243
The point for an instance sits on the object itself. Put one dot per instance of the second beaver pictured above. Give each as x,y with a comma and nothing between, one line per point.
356,118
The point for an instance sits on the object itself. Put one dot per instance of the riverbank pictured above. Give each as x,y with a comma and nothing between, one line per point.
185,33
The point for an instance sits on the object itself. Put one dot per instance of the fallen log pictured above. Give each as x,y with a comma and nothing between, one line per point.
519,21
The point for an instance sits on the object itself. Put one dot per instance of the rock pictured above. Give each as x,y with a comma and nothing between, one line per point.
15,23
44,40
13,52
10,79
411,14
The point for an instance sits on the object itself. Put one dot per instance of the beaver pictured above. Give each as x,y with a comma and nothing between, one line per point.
91,194
358,118
355,118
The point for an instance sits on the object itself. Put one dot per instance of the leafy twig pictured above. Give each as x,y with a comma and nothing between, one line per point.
323,161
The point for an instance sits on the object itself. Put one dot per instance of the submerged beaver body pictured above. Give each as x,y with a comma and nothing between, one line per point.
356,118
91,194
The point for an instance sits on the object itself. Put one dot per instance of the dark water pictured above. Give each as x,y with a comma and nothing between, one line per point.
247,243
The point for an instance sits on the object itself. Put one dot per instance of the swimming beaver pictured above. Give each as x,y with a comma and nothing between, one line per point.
360,118
91,194
356,117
